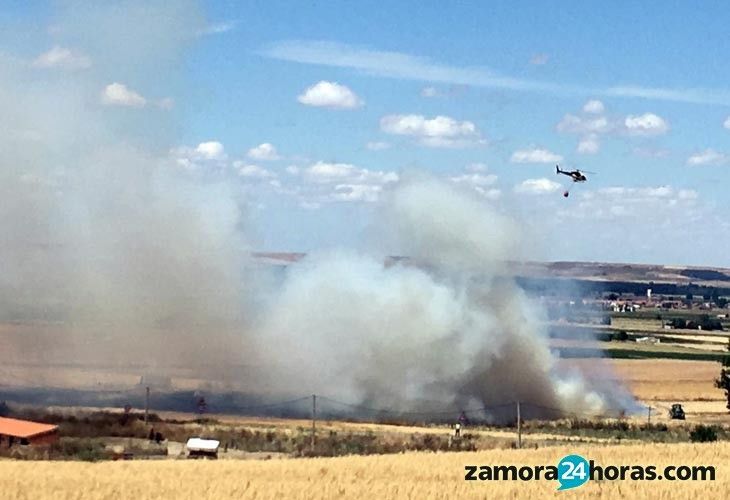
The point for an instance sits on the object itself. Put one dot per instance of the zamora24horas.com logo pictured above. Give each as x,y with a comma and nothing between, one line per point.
574,470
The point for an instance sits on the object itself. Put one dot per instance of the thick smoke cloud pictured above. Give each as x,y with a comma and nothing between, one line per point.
136,262
453,330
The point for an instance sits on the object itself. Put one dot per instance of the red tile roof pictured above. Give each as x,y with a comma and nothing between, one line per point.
23,428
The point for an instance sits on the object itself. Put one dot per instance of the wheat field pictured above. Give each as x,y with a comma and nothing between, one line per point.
410,476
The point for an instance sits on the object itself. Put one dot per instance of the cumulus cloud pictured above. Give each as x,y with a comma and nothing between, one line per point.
647,124
589,144
118,94
429,92
61,57
535,155
323,172
726,124
653,153
204,153
592,123
324,182
573,124
357,192
475,179
252,171
377,145
212,150
537,186
621,201
593,106
265,152
330,95
708,157
440,131
479,182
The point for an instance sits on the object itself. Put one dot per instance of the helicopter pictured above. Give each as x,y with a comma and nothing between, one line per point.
576,175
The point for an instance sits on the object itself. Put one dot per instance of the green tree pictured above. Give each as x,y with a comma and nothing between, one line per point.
723,382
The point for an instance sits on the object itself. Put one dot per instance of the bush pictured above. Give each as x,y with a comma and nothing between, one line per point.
621,336
703,434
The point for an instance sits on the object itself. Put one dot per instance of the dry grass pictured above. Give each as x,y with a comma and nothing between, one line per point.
664,379
658,379
409,476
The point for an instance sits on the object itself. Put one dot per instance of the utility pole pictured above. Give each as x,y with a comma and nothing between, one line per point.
519,426
147,405
314,419
648,417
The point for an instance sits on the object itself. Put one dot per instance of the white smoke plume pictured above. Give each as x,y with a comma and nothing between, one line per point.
452,332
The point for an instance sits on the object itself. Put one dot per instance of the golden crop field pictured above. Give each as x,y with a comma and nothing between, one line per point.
410,476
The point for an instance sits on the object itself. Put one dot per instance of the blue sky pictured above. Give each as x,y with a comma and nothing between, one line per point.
349,97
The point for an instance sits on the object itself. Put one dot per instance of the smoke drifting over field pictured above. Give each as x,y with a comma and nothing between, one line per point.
400,337
144,263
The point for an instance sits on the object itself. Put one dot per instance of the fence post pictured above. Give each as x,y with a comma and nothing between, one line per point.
314,419
519,426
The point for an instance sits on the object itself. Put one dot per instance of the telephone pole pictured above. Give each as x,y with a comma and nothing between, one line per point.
147,405
519,426
314,419
648,417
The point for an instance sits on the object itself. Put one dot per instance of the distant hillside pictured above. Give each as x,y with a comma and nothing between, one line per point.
677,278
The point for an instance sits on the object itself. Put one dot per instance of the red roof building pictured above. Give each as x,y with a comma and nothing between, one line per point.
14,431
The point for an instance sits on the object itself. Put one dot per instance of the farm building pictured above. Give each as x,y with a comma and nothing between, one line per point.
13,431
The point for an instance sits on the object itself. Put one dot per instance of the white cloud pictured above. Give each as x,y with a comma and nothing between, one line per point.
631,194
253,171
292,170
330,95
377,145
207,152
687,194
265,152
537,186
61,57
647,124
535,155
441,131
325,182
708,157
218,28
117,94
322,172
389,64
593,106
429,92
357,192
652,153
479,183
211,150
475,179
573,124
539,59
726,124
589,145
477,167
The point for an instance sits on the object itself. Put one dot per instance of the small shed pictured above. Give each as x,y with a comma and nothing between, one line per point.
25,432
202,448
